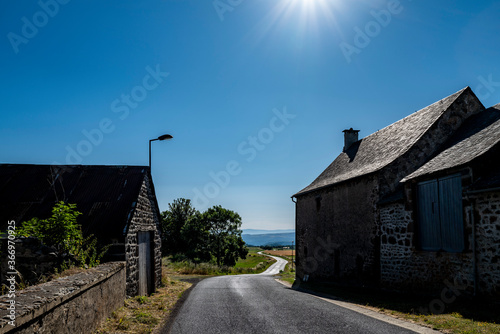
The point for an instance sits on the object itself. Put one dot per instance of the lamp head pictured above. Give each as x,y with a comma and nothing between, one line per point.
165,137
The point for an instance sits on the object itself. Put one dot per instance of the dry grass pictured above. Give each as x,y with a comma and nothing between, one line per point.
68,272
144,314
284,252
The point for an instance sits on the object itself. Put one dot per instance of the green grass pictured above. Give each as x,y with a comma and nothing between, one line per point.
144,317
253,264
252,261
287,275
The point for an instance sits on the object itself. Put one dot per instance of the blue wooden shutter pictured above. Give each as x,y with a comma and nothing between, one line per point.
428,214
451,216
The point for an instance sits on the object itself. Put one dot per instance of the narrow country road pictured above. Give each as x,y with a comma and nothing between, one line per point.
276,267
259,304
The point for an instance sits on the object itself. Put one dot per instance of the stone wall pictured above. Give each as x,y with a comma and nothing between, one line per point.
144,218
487,220
405,267
336,232
33,260
73,304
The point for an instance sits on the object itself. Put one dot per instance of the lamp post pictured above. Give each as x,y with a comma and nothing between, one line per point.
163,137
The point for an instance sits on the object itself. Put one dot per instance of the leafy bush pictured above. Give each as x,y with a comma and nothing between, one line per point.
62,232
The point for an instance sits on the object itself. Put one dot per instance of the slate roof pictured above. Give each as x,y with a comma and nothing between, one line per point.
478,135
106,195
379,149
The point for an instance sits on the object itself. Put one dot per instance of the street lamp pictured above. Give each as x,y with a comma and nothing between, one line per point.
163,137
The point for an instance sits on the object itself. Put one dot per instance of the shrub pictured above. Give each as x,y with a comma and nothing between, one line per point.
62,232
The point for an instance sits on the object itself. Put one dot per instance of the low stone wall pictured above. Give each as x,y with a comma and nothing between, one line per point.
72,304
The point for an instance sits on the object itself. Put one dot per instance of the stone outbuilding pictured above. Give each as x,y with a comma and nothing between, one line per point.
413,206
118,206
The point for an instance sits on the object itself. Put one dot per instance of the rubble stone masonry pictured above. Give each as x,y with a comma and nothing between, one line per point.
405,267
144,219
72,304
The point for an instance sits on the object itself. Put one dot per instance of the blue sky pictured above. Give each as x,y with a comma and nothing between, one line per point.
255,92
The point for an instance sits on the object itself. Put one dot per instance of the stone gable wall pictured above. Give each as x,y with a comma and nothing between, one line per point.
144,219
72,304
336,232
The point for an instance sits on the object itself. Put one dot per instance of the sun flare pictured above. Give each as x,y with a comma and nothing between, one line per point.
303,18
312,11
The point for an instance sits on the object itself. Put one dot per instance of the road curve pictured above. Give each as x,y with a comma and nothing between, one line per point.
258,304
276,267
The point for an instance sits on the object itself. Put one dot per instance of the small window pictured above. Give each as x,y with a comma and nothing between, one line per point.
318,203
440,217
336,262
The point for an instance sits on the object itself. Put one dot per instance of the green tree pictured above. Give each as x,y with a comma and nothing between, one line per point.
196,237
179,213
225,235
202,237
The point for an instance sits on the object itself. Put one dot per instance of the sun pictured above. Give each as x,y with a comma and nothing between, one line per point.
311,11
305,17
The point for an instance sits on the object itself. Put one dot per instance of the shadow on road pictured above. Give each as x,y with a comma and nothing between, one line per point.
167,325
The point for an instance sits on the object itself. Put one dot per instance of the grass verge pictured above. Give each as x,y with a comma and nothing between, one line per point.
288,274
254,263
463,316
144,314
148,314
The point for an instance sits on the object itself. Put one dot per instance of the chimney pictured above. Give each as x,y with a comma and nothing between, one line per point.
350,137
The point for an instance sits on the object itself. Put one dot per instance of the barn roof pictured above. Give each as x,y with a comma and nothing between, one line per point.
477,136
379,149
105,195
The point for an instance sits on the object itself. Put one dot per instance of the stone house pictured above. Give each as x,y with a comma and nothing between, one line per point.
411,206
118,206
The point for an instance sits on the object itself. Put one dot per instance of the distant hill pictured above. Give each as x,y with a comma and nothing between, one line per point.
269,239
253,231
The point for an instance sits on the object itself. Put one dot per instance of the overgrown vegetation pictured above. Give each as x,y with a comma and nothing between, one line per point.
213,236
64,235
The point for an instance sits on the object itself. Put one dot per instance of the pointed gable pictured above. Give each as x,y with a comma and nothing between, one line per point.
479,135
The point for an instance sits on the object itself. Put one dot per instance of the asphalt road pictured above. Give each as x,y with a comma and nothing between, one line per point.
259,304
275,267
